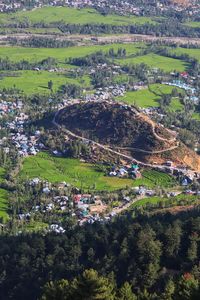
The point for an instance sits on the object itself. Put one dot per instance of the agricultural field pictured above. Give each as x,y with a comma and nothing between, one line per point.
181,199
84,175
17,54
192,52
149,97
152,60
32,82
3,198
48,15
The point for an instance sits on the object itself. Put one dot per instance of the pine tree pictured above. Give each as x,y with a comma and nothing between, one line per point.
125,293
169,291
57,290
91,286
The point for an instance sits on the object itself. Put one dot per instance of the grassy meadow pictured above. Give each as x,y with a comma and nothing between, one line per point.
17,54
32,82
48,15
181,199
192,52
152,60
84,175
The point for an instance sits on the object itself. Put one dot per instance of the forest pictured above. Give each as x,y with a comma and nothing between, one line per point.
151,256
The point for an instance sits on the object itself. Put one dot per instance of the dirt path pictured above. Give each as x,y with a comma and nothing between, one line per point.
146,151
122,38
124,156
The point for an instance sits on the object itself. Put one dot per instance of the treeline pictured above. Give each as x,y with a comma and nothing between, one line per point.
90,285
98,57
146,251
40,42
7,65
166,28
170,27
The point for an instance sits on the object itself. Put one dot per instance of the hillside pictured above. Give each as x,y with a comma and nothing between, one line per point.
122,128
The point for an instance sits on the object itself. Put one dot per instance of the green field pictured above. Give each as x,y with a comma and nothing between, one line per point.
17,54
152,60
66,15
3,198
84,175
181,199
193,52
32,82
36,82
193,24
149,97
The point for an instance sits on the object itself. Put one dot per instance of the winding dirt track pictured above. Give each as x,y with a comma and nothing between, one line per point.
124,156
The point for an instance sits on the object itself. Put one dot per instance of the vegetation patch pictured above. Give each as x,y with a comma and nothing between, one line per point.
48,15
17,54
152,60
32,82
192,52
149,97
3,198
84,175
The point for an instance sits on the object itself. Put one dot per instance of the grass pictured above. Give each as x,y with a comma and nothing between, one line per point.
3,198
49,15
149,97
31,82
83,175
175,105
35,226
196,116
17,54
193,24
192,52
178,200
152,60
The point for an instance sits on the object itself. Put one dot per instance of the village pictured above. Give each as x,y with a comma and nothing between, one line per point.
122,8
89,208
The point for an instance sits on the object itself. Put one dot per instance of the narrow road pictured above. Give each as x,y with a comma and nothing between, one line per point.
146,151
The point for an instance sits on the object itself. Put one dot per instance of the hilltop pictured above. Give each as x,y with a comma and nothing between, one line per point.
124,129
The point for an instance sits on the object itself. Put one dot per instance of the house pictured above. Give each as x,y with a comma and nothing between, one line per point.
184,182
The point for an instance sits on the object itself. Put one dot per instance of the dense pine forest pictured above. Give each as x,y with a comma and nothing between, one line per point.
148,254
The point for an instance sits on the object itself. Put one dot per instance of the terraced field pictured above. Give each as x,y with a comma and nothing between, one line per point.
84,175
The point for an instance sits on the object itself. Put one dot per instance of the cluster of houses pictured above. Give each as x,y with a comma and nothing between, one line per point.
10,107
25,144
106,93
131,171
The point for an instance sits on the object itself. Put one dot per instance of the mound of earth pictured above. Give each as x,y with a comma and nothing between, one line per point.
124,129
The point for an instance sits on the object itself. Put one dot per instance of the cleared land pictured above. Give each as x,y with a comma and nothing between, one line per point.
85,175
152,60
149,97
67,15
